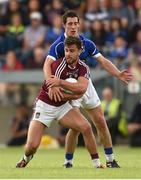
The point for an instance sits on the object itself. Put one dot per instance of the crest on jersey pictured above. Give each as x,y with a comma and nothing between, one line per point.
73,74
37,115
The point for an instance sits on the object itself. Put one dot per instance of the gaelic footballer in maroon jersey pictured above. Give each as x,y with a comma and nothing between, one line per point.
46,110
63,70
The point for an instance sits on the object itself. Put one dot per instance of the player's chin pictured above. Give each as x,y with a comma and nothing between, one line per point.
73,34
70,61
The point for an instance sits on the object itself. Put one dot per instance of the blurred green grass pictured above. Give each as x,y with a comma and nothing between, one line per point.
47,163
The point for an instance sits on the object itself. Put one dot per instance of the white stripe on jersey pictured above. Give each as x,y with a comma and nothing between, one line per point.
62,70
97,55
59,68
48,56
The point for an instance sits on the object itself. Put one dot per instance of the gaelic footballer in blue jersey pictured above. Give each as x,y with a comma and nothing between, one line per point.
89,49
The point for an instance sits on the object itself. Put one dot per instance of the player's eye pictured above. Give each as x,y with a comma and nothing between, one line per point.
70,23
71,50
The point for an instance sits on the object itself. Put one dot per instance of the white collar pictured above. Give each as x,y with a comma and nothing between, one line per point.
71,67
65,35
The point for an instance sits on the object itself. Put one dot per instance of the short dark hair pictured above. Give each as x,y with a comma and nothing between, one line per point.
73,41
68,14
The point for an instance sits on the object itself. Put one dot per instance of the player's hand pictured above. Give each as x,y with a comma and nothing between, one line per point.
125,76
53,81
55,93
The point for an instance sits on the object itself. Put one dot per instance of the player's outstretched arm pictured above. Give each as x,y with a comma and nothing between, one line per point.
68,97
124,76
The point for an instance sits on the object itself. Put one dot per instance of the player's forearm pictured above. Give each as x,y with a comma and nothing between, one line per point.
111,68
47,69
77,88
68,97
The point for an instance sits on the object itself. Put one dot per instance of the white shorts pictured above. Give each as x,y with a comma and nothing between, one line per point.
89,100
46,113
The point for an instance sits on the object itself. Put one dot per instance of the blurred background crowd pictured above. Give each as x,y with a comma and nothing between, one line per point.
29,27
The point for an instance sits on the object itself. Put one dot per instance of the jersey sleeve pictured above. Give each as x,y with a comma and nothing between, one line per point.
56,50
93,51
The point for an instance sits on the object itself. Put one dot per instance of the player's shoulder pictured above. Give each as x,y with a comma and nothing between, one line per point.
83,68
82,64
58,65
59,41
87,41
59,61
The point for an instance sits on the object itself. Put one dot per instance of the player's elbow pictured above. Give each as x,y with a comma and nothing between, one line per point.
84,89
45,65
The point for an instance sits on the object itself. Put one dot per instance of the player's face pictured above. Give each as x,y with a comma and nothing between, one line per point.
72,27
72,54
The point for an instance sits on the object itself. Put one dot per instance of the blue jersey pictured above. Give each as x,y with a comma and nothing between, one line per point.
56,50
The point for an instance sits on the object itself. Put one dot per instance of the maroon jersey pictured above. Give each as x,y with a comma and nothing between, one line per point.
62,70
